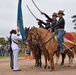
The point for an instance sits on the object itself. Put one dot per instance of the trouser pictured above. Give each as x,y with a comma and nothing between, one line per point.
11,59
15,64
61,40
0,52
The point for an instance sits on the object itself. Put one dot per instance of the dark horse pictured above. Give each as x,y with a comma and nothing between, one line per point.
34,48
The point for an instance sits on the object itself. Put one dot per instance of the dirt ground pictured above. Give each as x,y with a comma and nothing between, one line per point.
27,68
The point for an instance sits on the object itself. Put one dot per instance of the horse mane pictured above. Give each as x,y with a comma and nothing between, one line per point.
45,34
45,31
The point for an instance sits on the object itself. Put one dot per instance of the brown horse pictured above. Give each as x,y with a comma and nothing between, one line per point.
36,49
51,45
70,56
69,53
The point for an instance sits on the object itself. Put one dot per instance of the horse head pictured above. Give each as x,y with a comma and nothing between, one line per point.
35,35
26,31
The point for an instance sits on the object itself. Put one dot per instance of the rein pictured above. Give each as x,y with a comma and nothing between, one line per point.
48,40
44,37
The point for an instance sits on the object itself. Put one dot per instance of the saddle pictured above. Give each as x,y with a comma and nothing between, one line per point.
68,37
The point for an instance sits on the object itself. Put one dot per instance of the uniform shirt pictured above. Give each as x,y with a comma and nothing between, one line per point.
61,23
52,21
53,24
46,25
15,38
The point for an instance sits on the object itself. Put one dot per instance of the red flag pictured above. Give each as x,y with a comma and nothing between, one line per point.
70,37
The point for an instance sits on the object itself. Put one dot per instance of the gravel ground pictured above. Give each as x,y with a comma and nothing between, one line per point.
27,68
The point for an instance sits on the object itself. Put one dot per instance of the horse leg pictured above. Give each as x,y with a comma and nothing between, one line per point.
35,62
48,60
72,58
68,53
57,56
63,57
52,62
40,63
45,56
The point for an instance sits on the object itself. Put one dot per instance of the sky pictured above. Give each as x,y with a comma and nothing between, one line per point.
8,13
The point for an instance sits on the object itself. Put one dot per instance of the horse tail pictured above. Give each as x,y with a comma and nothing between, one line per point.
75,49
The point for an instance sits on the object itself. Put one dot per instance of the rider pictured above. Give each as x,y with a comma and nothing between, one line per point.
53,20
60,25
41,23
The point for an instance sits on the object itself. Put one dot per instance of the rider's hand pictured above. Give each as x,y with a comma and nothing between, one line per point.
42,13
18,30
38,19
49,29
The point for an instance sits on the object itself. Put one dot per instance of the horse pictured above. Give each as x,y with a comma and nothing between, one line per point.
51,45
45,52
69,53
34,48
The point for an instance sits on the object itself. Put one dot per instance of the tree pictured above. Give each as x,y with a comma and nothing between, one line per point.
2,40
74,20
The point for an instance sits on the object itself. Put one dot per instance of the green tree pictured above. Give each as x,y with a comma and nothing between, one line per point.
2,40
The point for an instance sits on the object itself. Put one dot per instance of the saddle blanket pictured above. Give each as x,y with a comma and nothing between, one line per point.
68,37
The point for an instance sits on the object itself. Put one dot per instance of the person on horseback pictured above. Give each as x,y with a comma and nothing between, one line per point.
59,25
60,32
53,20
41,23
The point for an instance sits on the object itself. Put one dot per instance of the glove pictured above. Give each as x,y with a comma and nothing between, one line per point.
42,13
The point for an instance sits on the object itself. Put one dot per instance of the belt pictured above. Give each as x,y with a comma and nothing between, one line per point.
60,29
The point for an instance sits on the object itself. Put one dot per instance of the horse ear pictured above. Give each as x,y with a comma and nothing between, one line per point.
28,28
33,26
25,28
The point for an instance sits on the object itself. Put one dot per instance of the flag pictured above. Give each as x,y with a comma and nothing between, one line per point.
20,20
70,37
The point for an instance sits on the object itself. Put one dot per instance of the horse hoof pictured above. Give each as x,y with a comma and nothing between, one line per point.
52,69
69,65
61,64
44,67
72,65
48,67
56,63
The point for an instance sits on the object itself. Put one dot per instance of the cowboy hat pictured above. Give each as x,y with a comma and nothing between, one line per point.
54,14
61,12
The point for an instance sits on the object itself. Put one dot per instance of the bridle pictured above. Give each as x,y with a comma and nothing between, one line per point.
41,39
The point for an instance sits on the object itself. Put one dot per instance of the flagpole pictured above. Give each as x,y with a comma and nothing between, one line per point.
20,20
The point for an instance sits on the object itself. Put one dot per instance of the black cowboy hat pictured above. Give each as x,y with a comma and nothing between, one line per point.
61,12
13,31
54,14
